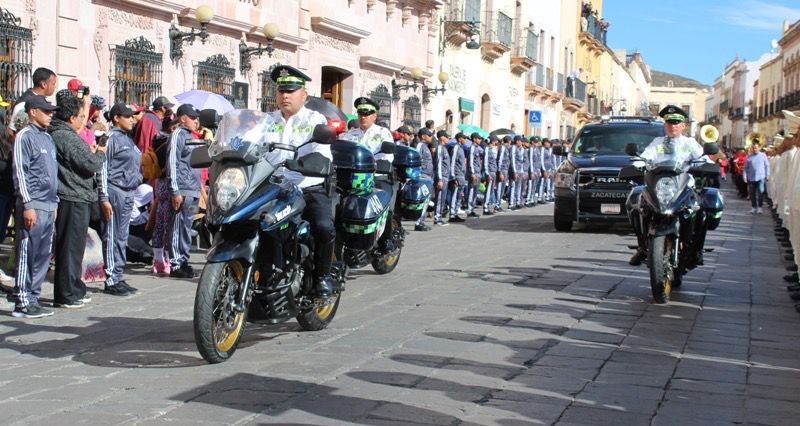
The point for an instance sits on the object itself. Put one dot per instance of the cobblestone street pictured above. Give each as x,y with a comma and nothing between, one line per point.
498,321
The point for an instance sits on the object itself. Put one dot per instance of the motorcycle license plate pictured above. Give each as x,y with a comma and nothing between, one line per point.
609,208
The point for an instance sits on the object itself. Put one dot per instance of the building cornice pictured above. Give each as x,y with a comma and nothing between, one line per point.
340,29
389,67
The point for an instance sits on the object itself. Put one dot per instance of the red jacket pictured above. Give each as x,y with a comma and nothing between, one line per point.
148,127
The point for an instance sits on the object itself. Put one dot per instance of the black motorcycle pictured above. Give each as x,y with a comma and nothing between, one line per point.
670,216
260,265
369,193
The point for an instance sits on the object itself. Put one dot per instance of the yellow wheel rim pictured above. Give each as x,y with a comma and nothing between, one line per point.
668,277
225,339
325,310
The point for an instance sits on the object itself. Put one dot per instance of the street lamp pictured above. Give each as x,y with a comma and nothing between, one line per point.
416,74
204,14
270,31
427,91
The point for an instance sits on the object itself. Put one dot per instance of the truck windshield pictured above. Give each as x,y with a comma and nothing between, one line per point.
611,140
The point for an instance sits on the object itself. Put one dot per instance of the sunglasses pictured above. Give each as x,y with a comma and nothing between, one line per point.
365,113
673,122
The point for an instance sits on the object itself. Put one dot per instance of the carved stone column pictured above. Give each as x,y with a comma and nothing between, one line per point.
390,6
407,12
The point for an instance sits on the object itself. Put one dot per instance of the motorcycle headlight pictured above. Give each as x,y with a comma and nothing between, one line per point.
666,189
565,180
229,187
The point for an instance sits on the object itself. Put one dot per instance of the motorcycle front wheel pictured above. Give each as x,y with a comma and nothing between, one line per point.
218,327
662,272
318,316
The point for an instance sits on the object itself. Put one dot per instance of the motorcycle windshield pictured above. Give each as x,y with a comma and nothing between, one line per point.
666,163
241,135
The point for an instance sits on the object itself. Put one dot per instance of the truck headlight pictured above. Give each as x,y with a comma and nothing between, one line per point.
229,187
565,180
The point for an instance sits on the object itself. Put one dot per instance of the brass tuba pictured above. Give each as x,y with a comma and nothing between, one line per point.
753,137
709,133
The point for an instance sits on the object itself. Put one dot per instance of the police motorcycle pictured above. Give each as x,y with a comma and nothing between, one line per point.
669,215
260,265
368,204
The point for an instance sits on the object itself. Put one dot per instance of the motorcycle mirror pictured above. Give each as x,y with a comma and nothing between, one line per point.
710,148
323,134
200,158
632,149
387,148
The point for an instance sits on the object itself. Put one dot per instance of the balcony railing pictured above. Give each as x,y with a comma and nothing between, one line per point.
497,28
579,90
528,45
536,76
560,83
464,11
595,27
723,106
549,80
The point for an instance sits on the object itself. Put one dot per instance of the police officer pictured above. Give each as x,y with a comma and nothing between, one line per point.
490,174
373,136
119,177
503,164
536,169
524,175
458,172
293,124
672,144
515,171
441,175
35,183
547,167
474,172
426,171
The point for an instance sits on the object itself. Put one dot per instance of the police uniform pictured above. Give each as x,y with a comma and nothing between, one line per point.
458,176
295,131
524,175
503,164
441,173
426,174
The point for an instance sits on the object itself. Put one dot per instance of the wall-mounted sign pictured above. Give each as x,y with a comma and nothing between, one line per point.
240,94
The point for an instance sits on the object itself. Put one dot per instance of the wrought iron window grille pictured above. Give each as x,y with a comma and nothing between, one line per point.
383,97
215,75
269,91
16,47
412,112
137,71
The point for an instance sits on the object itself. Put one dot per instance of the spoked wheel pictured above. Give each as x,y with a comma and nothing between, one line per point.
387,262
218,327
662,272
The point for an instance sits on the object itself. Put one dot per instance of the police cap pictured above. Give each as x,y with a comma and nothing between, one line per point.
672,113
442,133
289,78
366,105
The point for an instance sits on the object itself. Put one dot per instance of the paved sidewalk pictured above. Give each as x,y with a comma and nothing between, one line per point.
497,321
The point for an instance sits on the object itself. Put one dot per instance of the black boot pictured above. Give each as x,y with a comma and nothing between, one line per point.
323,287
323,284
638,257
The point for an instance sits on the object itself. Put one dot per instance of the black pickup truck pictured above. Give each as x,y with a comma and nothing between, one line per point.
587,185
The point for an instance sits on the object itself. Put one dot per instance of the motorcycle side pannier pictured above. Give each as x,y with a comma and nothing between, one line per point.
407,163
362,219
355,167
414,197
712,203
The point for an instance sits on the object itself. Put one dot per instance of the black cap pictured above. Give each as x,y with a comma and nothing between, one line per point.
506,139
405,129
120,108
364,104
673,113
460,135
442,133
39,102
187,109
493,138
476,135
535,139
518,138
162,101
289,77
425,131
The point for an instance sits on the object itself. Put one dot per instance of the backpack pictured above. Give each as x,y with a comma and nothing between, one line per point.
154,160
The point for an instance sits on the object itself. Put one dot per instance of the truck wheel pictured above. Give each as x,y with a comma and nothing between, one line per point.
563,225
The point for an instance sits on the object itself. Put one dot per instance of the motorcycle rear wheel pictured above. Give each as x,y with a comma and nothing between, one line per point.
218,328
318,317
386,263
662,272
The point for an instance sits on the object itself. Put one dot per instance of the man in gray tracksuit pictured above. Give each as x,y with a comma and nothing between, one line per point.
536,169
473,173
547,171
524,174
458,176
36,183
184,184
441,175
515,172
490,173
503,164
426,171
